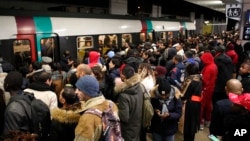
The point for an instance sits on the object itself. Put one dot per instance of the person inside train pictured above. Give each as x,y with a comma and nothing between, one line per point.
66,61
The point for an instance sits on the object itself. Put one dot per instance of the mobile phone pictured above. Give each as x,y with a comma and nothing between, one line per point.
213,138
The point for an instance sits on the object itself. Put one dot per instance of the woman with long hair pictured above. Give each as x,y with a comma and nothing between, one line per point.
191,90
147,76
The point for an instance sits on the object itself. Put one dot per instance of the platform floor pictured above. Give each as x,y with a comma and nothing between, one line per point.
202,135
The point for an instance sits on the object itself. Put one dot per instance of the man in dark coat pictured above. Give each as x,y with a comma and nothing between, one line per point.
130,102
15,114
225,70
222,108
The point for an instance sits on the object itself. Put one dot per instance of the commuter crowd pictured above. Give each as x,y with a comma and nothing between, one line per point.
194,83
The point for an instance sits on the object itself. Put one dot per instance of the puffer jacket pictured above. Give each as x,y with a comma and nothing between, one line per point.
130,102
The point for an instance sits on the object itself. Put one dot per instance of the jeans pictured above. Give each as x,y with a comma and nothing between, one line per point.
158,137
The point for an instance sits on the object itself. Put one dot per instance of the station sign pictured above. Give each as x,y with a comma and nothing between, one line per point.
233,11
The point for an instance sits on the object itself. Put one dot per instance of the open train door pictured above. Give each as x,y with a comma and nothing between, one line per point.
24,50
47,44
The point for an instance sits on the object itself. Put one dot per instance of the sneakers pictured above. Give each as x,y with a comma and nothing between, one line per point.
204,124
201,126
207,123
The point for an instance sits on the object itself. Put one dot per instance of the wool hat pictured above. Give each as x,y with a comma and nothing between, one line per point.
220,48
46,59
164,86
111,54
160,70
89,85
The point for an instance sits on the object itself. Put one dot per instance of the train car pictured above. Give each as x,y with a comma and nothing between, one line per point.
25,38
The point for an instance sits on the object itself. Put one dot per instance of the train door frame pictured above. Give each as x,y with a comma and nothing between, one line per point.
31,38
56,48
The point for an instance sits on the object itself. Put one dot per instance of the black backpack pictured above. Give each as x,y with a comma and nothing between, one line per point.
39,117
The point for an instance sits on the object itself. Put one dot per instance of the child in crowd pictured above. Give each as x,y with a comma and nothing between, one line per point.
244,72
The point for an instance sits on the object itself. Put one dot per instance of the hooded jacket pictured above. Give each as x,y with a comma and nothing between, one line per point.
209,73
64,122
42,91
130,101
232,54
94,58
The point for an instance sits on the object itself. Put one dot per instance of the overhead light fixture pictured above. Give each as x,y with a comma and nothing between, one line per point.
206,22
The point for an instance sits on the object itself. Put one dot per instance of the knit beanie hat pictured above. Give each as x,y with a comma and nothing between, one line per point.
111,54
160,70
89,85
164,86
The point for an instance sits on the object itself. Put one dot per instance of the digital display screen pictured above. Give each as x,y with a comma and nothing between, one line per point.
247,19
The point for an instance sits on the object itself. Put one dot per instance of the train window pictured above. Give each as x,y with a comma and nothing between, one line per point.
163,35
22,52
83,43
126,38
47,47
150,36
107,42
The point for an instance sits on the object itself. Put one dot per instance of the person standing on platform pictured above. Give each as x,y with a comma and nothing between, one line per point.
209,75
191,90
225,70
130,102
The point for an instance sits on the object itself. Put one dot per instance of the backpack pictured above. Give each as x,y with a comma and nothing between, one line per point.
111,128
39,117
147,108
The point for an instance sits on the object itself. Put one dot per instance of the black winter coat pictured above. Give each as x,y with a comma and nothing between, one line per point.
63,123
225,70
169,125
15,114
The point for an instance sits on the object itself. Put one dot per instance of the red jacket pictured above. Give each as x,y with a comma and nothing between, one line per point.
209,72
233,55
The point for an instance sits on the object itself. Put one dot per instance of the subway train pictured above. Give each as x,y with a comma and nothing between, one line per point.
25,38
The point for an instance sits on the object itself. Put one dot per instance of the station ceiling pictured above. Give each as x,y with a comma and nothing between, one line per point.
209,8
218,5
